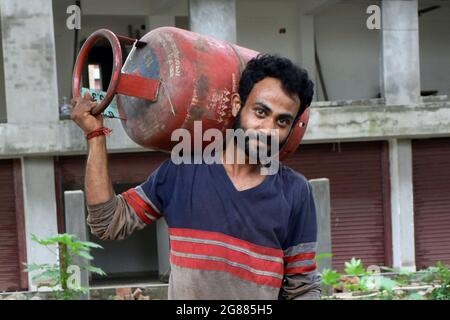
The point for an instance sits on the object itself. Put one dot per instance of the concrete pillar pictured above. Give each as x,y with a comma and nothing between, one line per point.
402,208
308,48
400,84
400,52
39,208
2,87
321,194
75,218
32,97
215,18
29,61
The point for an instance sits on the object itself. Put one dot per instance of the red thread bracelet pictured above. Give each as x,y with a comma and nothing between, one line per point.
103,131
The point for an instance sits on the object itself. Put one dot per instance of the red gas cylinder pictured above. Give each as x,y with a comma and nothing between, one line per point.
171,78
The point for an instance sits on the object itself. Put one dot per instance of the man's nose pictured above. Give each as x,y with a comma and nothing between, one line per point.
268,124
270,131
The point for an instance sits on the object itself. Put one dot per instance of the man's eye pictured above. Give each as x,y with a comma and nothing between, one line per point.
260,112
283,122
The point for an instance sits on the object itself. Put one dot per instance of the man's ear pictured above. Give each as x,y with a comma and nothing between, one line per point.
235,104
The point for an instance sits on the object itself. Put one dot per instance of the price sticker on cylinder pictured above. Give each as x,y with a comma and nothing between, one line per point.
98,95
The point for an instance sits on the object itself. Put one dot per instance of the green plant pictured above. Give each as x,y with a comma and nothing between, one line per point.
330,277
357,280
62,277
403,277
354,267
440,275
431,283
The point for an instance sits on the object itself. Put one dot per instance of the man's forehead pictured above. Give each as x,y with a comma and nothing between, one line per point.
270,89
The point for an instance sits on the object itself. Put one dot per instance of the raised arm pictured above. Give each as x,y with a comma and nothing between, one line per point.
98,186
110,217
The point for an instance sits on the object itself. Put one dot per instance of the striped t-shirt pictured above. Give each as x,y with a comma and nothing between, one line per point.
259,243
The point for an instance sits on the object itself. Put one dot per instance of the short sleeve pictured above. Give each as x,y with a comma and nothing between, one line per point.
150,198
301,241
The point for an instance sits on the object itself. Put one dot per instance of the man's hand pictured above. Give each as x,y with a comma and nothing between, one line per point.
81,113
98,186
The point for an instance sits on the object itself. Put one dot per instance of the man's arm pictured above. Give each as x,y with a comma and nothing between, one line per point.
301,278
110,215
302,286
114,219
98,186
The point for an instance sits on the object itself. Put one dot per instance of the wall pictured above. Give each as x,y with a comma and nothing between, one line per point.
258,26
434,38
348,51
2,82
64,41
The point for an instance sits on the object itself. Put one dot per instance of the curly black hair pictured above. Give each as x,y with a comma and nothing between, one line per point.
295,80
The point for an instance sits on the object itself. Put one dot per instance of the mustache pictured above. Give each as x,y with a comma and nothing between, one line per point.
270,138
262,137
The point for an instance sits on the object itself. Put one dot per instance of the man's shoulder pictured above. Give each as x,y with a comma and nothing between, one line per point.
292,177
169,167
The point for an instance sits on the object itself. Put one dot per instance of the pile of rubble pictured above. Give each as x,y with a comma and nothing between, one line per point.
127,294
19,296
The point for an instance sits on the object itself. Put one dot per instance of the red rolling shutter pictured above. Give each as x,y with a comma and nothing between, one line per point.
128,168
359,188
431,176
10,270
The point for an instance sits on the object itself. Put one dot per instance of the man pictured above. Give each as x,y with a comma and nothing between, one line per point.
234,233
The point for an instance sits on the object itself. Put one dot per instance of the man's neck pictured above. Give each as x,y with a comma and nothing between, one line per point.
234,168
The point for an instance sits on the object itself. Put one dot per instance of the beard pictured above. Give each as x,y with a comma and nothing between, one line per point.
257,143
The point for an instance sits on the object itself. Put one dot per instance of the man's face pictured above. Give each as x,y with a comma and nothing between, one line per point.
268,107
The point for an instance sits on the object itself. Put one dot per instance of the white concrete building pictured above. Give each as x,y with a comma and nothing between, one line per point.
379,127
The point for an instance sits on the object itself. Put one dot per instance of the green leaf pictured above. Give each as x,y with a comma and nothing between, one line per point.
32,267
95,270
48,241
330,277
83,290
387,284
47,275
404,272
43,242
85,255
51,275
91,245
354,267
67,239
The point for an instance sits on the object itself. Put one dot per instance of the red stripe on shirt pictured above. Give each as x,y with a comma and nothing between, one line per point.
195,263
229,254
140,206
210,235
300,257
302,269
147,207
139,211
